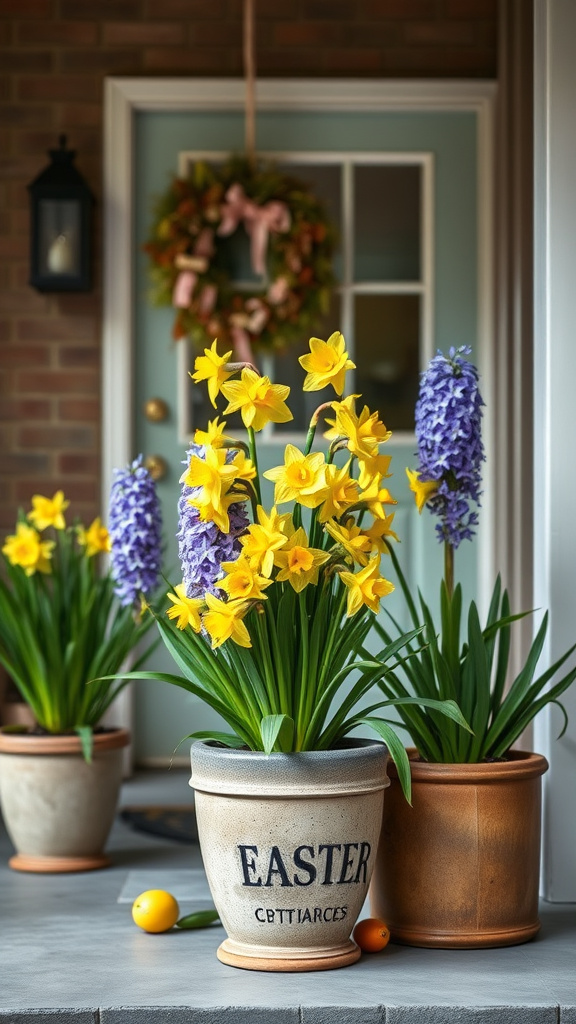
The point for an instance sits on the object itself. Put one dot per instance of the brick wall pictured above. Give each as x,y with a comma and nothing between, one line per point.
54,56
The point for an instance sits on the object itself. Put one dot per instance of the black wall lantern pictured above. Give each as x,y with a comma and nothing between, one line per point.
60,226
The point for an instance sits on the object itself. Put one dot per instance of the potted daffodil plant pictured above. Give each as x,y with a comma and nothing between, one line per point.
267,627
65,620
475,819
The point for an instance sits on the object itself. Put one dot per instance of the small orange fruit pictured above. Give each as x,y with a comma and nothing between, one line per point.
371,934
155,910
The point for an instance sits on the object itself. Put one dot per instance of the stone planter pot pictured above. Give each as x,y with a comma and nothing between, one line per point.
58,810
289,843
460,868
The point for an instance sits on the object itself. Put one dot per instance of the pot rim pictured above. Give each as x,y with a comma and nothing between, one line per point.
303,774
26,743
521,764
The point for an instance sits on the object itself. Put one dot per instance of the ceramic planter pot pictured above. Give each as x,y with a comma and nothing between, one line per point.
460,868
58,810
289,843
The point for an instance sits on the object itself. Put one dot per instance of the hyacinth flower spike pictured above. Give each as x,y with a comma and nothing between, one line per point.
471,669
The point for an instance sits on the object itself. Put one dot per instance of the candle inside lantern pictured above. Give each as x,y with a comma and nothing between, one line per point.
59,259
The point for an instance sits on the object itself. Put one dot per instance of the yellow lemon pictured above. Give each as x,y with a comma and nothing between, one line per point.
155,910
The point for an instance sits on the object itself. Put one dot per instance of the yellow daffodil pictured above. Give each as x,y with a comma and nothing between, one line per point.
341,492
373,466
211,368
423,489
301,478
263,539
185,609
244,468
212,473
26,549
241,582
213,436
364,432
366,587
223,621
217,511
376,497
355,541
259,401
298,563
326,363
380,529
95,539
48,511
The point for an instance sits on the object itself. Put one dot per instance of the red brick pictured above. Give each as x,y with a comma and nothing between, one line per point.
56,328
72,115
71,33
192,60
211,33
59,87
24,355
104,61
37,144
5,330
84,496
432,33
23,169
56,437
359,60
5,33
160,33
55,382
27,9
86,410
78,465
25,409
102,10
19,463
471,8
79,357
404,9
190,10
26,61
25,116
13,247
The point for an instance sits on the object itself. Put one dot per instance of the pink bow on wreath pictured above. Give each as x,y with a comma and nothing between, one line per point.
258,221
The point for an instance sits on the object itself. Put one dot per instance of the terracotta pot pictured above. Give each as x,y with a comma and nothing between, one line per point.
58,810
289,843
460,868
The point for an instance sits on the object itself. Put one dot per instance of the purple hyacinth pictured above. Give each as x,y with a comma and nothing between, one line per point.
449,436
135,527
201,545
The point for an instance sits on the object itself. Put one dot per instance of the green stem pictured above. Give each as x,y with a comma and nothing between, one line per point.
254,457
449,568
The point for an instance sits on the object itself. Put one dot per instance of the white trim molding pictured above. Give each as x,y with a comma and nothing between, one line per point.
555,376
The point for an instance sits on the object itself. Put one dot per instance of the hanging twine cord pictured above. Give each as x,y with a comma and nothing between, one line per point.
250,76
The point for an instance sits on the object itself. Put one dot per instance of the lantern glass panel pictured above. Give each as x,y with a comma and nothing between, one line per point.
59,237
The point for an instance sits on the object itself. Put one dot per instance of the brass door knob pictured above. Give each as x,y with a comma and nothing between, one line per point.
156,410
156,466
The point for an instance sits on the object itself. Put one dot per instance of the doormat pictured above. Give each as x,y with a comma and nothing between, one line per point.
177,823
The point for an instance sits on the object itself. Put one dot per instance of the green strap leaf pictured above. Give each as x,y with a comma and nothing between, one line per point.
277,730
397,752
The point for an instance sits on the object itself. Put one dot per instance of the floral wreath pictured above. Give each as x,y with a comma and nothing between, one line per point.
291,243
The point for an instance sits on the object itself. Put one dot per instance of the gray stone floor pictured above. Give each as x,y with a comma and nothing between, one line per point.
70,954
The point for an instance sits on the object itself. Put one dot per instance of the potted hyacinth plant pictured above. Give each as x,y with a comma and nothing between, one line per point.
475,819
277,597
65,620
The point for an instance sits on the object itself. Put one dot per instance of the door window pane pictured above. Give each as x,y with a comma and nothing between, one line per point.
387,222
287,370
386,330
324,182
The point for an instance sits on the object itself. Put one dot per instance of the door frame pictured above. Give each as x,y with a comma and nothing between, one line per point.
125,97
